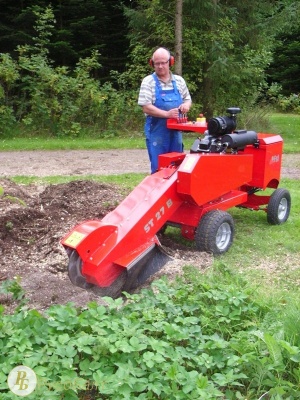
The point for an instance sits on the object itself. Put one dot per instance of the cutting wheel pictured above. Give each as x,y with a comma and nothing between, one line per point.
136,274
74,271
76,277
114,290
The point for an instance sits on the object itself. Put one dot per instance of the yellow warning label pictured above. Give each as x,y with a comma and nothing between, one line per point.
74,239
188,164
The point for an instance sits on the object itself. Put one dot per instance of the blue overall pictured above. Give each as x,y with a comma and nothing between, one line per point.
160,139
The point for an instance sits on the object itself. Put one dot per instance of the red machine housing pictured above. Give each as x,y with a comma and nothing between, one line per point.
185,188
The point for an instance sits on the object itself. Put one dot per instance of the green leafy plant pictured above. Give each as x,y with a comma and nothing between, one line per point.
203,336
13,287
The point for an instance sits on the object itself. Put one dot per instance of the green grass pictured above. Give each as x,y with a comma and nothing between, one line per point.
136,141
288,126
40,143
268,255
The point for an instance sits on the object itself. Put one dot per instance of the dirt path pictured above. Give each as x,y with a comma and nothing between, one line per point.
87,162
73,162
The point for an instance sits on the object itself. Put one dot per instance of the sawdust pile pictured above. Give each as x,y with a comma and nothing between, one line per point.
33,219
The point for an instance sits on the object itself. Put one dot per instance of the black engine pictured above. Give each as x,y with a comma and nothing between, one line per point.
222,136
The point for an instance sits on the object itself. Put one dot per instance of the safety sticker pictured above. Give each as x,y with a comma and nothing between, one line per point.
74,239
188,164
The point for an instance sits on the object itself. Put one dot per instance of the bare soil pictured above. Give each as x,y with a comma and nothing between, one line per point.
34,218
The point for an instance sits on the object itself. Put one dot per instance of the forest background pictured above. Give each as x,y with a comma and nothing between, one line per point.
73,68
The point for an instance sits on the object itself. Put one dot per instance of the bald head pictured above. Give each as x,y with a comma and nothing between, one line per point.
161,61
161,52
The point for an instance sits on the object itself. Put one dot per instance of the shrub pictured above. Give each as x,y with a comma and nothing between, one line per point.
57,101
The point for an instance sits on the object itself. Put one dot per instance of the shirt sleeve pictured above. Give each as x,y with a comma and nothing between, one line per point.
146,91
183,89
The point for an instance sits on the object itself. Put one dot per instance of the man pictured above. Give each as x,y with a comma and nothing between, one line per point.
162,95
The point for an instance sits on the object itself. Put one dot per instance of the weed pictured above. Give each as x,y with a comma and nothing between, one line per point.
9,225
13,287
11,198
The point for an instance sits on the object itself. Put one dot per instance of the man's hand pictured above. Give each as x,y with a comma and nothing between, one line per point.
173,113
185,107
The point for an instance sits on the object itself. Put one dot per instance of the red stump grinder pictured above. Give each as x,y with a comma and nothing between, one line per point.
225,168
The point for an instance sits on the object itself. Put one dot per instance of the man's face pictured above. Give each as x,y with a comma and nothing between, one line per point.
161,64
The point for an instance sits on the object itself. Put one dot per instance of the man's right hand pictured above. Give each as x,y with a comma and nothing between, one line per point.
173,113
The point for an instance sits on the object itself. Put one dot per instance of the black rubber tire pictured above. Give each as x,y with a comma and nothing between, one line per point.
215,232
279,207
74,271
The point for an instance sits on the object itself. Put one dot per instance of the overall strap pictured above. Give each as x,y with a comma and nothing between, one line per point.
158,88
175,86
156,80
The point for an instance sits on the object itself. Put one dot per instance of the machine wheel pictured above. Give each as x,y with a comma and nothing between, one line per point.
114,290
76,277
74,271
215,232
279,207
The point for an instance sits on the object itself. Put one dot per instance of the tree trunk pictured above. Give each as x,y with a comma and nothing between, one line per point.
208,95
178,37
